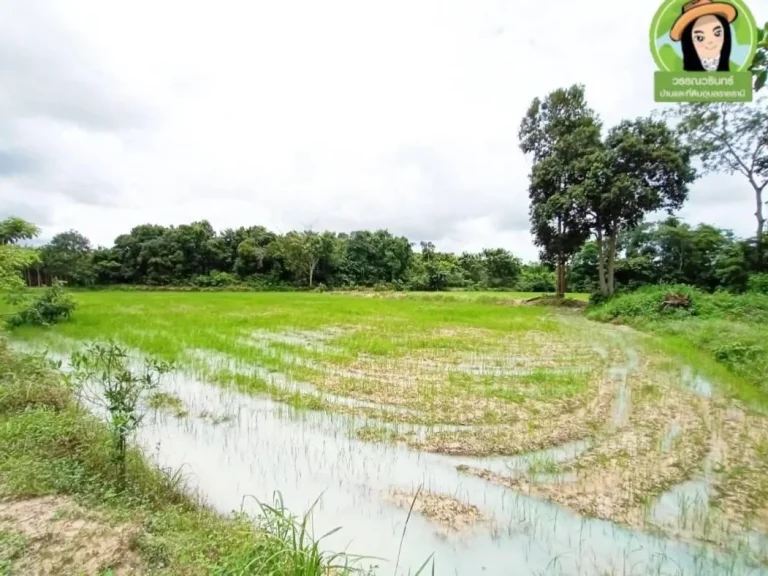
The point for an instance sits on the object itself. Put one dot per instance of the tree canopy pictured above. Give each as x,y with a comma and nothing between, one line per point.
196,254
731,138
640,168
13,258
558,132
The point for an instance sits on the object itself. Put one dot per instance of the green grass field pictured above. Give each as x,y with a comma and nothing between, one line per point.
473,375
63,511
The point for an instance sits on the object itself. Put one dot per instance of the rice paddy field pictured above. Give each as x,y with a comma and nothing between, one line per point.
527,439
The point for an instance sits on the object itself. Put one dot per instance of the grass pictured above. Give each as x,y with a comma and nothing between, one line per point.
169,402
488,296
730,330
498,379
12,546
459,361
50,446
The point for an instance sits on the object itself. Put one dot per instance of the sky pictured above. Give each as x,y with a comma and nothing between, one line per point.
307,114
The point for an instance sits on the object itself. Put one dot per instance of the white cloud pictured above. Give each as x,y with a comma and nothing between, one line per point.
338,114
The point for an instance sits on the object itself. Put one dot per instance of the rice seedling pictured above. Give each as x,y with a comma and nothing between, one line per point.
562,434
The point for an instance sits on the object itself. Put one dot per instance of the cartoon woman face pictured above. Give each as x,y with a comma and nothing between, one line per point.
708,37
704,31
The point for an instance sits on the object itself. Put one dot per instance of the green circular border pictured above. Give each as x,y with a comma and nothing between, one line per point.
743,11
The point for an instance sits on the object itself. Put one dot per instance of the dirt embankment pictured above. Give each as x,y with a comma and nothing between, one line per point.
54,535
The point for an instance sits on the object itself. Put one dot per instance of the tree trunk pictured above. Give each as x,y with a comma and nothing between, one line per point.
565,279
760,228
612,241
560,259
311,272
37,269
601,263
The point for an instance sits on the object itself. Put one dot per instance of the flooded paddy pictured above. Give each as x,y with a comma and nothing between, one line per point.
537,442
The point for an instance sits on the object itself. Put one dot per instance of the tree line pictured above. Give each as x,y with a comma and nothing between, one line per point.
196,255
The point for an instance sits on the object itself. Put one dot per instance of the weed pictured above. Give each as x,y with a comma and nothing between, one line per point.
166,401
119,389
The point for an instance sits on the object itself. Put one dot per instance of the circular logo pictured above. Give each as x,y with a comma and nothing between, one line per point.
703,36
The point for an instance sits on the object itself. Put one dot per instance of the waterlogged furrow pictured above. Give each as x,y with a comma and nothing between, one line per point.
508,443
437,401
268,446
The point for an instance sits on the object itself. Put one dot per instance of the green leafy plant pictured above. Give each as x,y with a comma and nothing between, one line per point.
758,283
760,62
102,375
53,306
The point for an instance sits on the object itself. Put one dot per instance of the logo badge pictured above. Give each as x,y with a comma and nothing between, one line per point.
703,50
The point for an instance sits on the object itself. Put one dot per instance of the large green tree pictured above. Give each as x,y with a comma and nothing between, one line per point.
677,253
68,257
641,167
14,229
502,268
731,138
303,252
558,132
376,257
252,253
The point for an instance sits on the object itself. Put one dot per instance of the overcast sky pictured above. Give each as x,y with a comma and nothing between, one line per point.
322,114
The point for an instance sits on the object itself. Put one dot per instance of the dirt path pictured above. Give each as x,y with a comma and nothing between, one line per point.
55,535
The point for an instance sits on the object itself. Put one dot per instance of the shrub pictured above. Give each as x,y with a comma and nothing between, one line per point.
215,279
758,283
123,389
52,306
383,287
597,298
647,303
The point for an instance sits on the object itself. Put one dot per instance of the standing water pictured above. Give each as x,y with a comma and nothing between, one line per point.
266,446
237,450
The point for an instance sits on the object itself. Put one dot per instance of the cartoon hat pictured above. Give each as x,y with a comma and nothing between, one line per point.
698,8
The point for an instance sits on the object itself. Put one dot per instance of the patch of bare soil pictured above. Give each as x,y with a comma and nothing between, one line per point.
631,460
64,538
624,470
557,302
450,513
539,427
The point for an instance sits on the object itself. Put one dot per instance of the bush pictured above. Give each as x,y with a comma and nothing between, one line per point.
215,279
124,390
597,298
647,303
54,305
383,287
758,283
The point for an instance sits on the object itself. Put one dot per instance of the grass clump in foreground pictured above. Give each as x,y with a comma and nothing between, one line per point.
731,329
52,449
